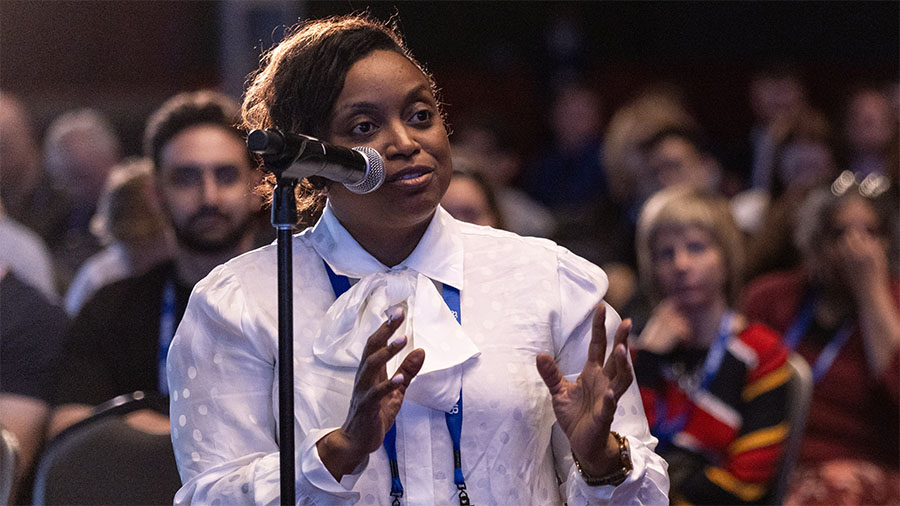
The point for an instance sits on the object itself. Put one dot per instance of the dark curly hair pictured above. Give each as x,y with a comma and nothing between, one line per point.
300,79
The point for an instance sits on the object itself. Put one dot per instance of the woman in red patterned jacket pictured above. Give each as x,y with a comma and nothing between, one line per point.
713,384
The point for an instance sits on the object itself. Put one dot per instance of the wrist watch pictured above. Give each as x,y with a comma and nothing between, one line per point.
616,477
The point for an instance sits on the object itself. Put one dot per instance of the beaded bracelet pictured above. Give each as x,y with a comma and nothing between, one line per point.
617,476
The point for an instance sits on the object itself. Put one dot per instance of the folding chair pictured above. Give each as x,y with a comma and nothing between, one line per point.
800,390
104,460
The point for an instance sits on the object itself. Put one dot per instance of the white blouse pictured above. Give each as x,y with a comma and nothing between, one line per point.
519,297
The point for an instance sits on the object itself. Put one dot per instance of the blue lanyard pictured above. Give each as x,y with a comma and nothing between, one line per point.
665,430
801,325
341,284
166,332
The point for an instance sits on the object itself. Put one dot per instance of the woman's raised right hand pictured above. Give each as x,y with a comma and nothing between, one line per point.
375,402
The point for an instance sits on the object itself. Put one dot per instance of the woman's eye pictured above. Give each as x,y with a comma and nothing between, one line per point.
422,116
696,247
664,254
363,128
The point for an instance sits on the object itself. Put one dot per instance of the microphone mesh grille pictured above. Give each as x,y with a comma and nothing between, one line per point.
374,171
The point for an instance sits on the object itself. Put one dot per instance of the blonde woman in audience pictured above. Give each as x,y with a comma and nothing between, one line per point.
713,382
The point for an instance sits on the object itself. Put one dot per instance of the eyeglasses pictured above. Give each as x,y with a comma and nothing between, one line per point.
870,187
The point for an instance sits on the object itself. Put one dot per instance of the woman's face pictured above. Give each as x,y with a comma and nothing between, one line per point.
689,267
853,223
387,104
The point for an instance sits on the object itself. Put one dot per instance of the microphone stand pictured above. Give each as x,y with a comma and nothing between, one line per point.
281,156
284,217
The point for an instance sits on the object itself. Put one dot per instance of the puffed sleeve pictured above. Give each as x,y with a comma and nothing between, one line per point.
224,432
581,285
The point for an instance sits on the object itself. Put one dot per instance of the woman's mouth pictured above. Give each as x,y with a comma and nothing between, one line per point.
412,176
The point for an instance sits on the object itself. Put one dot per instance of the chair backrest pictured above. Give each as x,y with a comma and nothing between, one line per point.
9,459
800,389
104,460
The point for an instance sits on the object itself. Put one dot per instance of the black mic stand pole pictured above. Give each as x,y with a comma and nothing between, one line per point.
284,218
277,160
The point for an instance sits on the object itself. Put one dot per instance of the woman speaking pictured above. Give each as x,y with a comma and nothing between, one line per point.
437,362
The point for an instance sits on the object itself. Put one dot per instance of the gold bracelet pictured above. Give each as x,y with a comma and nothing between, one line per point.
616,477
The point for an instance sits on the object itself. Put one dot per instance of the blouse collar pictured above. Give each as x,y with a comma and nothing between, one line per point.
438,256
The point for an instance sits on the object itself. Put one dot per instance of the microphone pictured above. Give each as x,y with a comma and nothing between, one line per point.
360,169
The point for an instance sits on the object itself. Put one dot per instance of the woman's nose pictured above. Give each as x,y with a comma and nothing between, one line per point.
402,142
682,259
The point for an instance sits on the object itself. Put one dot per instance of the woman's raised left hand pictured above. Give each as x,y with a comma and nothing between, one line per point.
585,408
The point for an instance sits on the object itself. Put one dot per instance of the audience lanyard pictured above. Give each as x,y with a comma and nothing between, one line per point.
166,331
665,430
341,284
801,325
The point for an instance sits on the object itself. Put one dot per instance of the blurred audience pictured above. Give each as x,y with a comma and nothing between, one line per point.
804,154
482,145
24,252
677,156
132,225
803,160
654,110
21,160
470,198
31,333
870,136
80,149
841,311
204,174
656,121
713,382
777,94
603,231
28,194
567,174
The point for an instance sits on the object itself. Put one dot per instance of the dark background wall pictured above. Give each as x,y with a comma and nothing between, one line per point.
125,57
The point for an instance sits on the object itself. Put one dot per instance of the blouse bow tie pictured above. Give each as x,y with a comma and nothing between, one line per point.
429,325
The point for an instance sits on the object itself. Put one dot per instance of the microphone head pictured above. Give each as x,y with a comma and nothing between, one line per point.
374,171
264,143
